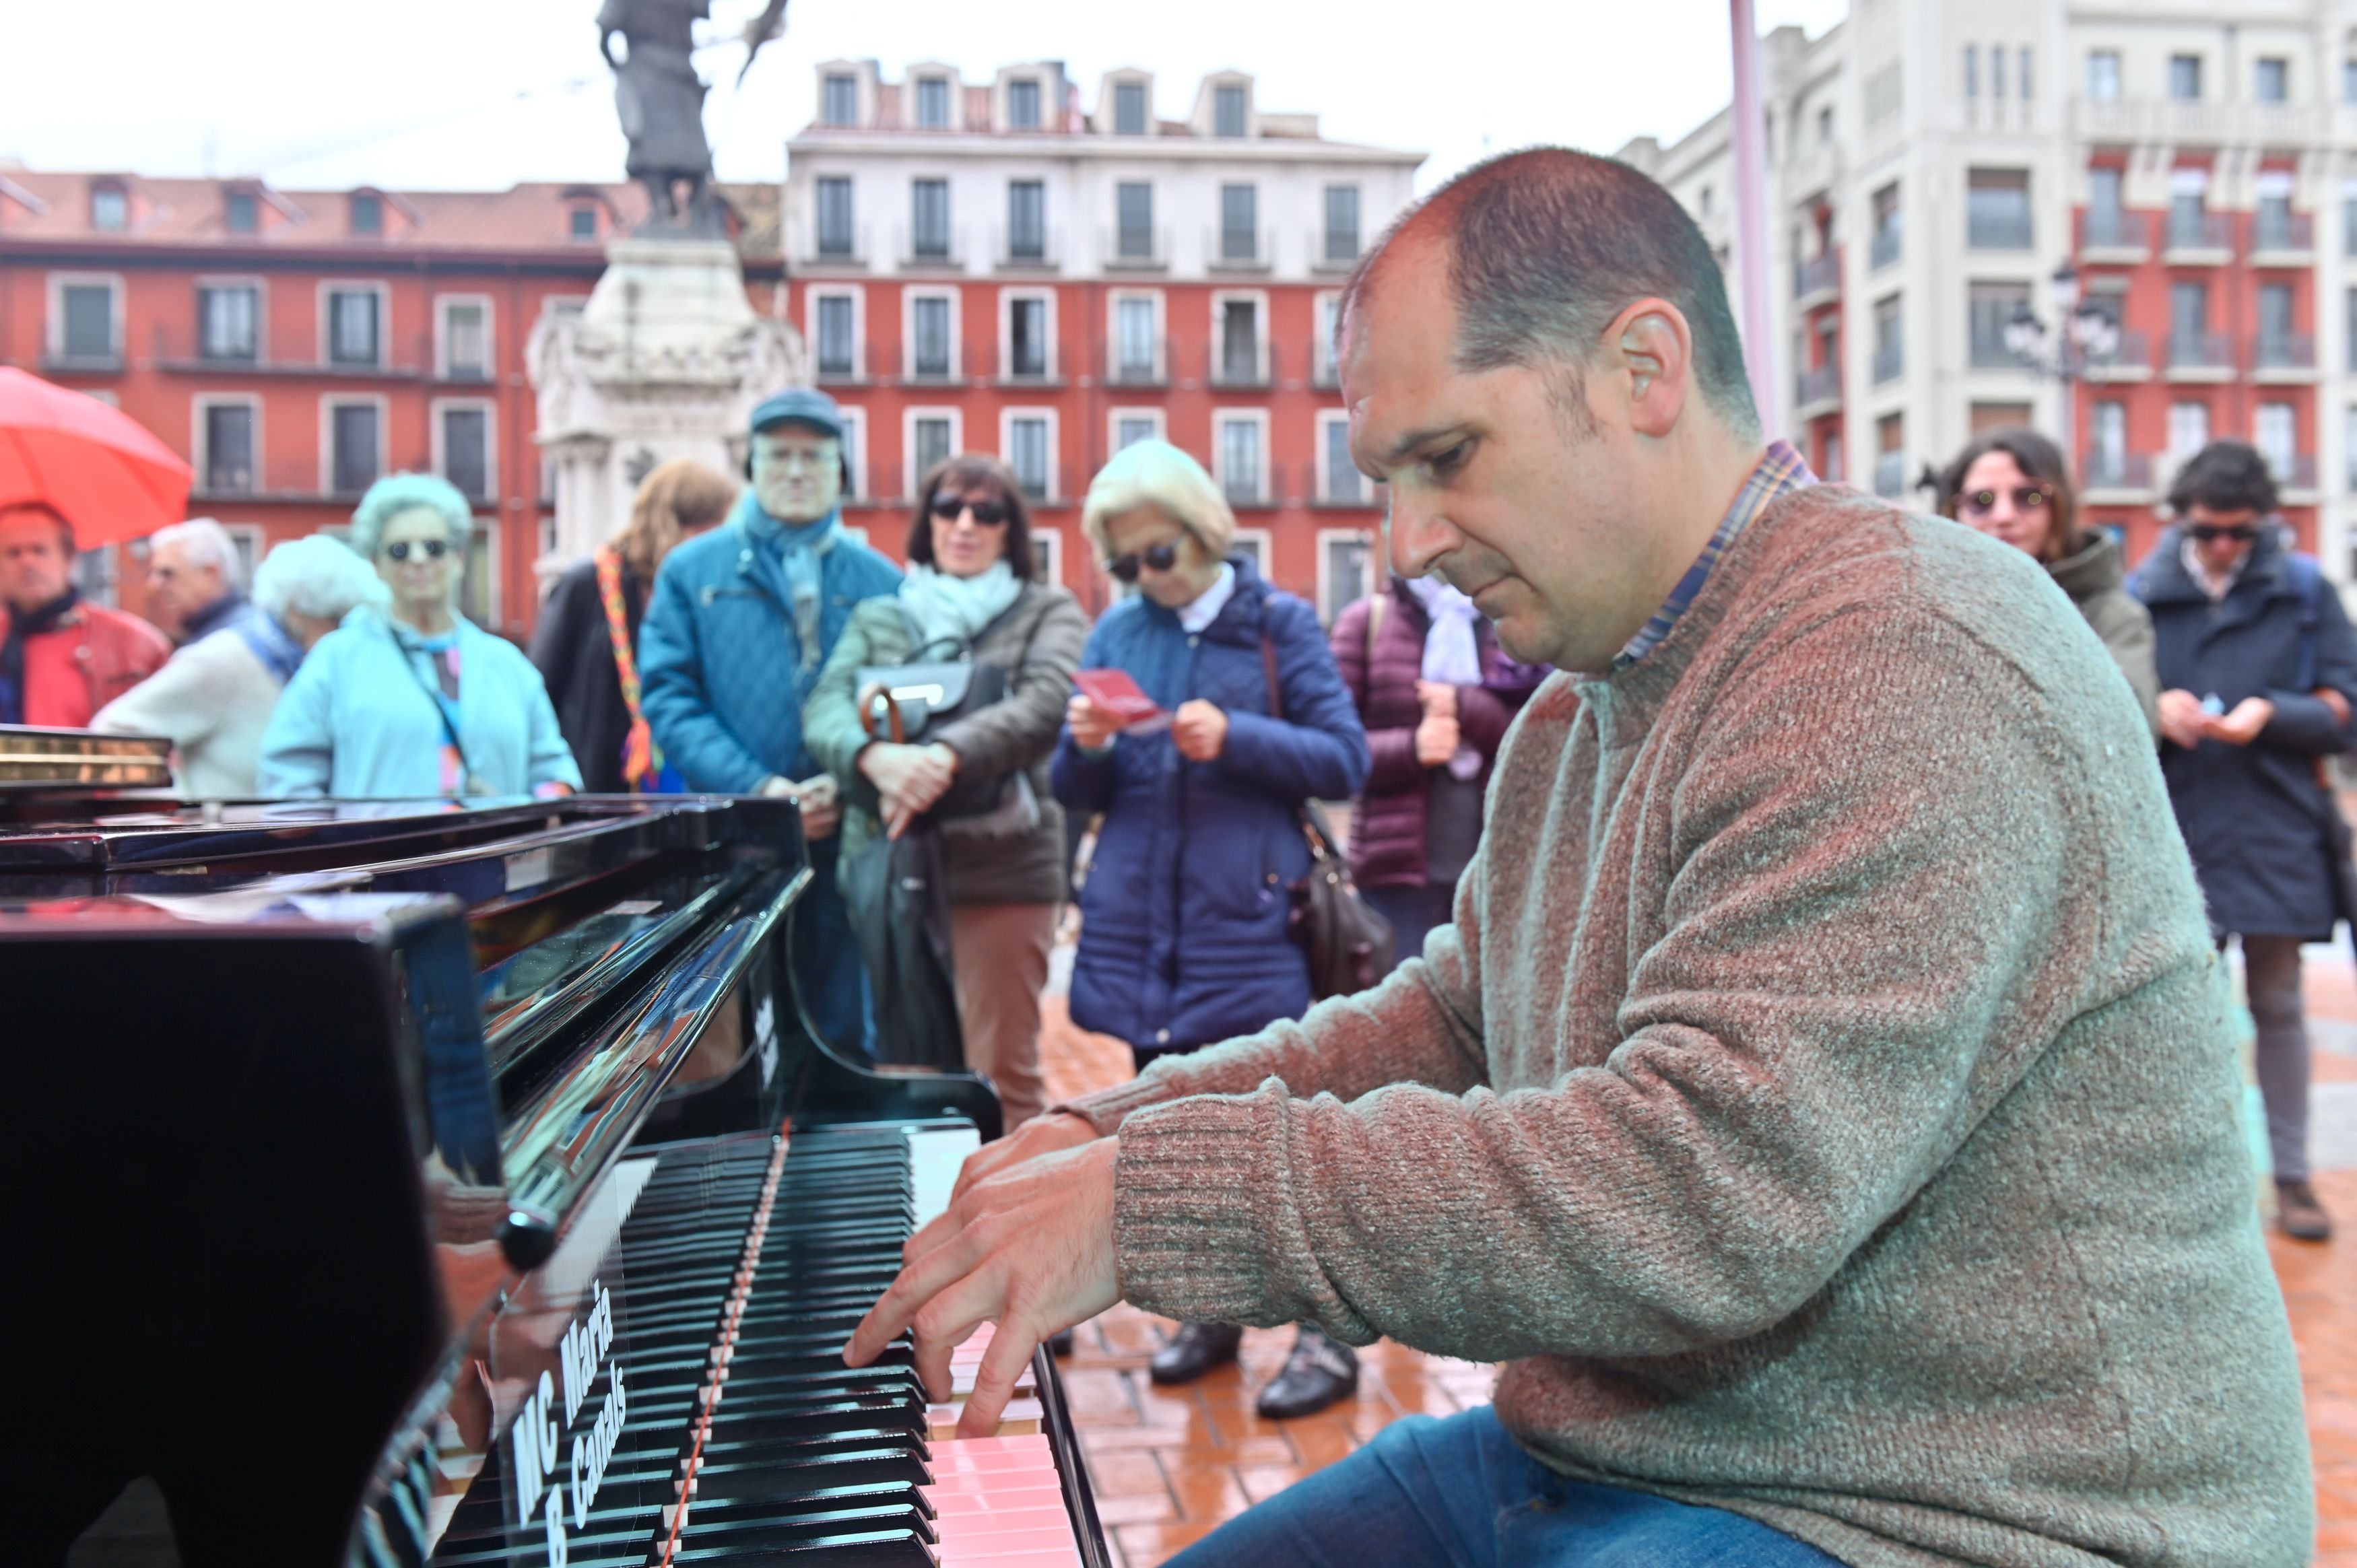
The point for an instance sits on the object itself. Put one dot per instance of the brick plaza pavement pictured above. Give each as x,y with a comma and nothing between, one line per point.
1171,1463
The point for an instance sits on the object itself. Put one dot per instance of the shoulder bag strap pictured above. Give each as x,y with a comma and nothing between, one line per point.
441,709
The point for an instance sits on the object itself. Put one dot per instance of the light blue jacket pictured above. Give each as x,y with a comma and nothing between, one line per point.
358,720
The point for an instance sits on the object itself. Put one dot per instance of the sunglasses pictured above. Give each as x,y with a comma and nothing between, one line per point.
2030,498
435,548
2211,532
1161,557
987,514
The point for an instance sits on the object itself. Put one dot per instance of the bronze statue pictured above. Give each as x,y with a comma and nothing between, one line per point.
660,101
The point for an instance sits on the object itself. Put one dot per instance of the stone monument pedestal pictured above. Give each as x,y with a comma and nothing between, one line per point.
667,360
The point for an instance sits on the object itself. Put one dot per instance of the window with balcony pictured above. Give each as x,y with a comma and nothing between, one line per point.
932,102
1972,70
2190,343
1023,103
2185,78
2188,428
229,448
1997,70
835,335
2025,93
1026,338
1134,340
466,340
1884,249
2349,81
834,217
1997,209
1133,212
2104,75
2275,431
929,442
86,331
929,219
1889,340
1239,341
1239,223
1890,455
110,208
367,214
1345,484
1228,110
1993,305
2271,81
1129,109
355,451
2277,228
354,326
1330,314
1027,220
228,319
1129,429
240,212
2107,445
2349,346
467,451
1027,453
2107,218
928,318
840,103
2279,347
1342,223
1347,571
1241,471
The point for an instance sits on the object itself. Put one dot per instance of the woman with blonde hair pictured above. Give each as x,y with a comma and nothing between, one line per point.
588,640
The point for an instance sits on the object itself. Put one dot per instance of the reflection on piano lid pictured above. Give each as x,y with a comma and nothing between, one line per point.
368,1139
35,758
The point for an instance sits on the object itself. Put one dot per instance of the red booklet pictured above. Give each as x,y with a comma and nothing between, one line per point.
1114,689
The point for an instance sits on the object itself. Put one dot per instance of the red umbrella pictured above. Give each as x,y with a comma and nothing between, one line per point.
104,471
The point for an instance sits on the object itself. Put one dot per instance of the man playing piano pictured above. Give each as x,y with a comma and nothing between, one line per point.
1824,1102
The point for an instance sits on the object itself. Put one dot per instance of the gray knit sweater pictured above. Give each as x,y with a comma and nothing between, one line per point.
1824,1104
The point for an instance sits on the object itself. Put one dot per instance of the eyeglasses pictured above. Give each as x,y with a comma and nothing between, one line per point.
399,548
986,514
2029,497
2211,532
1161,557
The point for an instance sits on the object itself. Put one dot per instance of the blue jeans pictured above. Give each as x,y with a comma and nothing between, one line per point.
1460,1491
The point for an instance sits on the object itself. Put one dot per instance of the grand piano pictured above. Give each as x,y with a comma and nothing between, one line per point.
394,1183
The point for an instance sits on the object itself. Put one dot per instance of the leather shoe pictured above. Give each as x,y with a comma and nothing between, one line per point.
1194,1350
2298,1214
1321,1370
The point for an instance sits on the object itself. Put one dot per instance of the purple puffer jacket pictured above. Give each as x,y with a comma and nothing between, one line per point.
1387,831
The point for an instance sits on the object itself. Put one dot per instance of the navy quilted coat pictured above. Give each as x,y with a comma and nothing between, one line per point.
1183,938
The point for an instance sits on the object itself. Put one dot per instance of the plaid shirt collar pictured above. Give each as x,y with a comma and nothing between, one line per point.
1780,472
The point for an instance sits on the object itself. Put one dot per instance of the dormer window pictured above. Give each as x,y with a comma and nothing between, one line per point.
1228,112
933,102
1129,109
581,224
367,214
1023,104
110,208
841,106
242,212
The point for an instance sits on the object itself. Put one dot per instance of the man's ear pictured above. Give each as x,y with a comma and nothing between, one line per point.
1651,351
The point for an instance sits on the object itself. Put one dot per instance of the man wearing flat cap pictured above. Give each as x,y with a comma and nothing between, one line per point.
741,623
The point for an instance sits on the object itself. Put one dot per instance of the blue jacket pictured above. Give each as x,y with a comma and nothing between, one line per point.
719,663
2254,816
1183,938
358,719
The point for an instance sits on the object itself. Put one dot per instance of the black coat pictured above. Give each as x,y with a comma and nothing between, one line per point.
575,654
2253,816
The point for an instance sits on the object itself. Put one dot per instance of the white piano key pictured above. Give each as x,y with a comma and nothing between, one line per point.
935,1153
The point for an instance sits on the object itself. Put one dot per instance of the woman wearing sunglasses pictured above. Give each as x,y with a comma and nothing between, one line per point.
2012,485
1185,917
971,593
420,702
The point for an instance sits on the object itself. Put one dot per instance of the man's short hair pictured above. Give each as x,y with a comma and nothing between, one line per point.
1547,245
206,543
43,508
2224,476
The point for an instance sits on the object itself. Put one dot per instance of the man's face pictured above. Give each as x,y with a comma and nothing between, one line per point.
1496,488
797,472
35,565
2221,538
178,587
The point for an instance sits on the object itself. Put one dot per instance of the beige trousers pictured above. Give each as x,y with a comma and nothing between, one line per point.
1000,954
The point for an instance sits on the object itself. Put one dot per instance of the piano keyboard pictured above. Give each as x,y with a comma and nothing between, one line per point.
745,1263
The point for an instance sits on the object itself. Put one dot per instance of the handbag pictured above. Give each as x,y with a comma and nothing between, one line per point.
1350,945
904,704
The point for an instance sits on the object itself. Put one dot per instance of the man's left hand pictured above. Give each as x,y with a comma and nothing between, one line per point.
2241,724
1029,1248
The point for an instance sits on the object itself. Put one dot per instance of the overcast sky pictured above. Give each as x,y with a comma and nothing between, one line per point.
470,94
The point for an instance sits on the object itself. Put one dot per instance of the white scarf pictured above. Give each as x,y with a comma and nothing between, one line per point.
1451,656
953,610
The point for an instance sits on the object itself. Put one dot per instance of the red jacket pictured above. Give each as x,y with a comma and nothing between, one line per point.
87,659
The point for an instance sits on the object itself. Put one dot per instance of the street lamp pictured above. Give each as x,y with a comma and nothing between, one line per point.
2089,337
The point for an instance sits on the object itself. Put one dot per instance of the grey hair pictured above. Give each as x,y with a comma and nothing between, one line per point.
1547,245
398,493
206,543
1157,473
316,577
